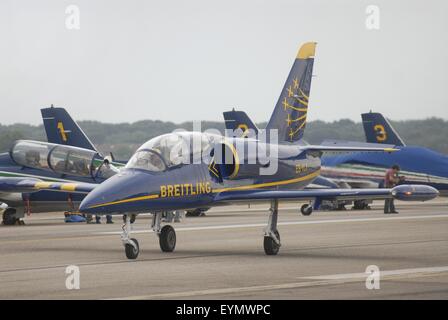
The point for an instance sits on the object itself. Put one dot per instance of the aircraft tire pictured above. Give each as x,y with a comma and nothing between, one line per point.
131,252
271,248
196,212
306,209
9,218
167,239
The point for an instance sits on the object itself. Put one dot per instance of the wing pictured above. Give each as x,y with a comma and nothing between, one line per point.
402,192
17,185
346,148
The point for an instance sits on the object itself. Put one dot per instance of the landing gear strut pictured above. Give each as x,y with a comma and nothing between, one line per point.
271,241
167,235
131,246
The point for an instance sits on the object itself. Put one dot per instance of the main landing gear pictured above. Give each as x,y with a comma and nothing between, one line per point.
306,209
271,241
166,234
11,217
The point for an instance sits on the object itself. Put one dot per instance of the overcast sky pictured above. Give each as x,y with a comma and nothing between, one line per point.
184,60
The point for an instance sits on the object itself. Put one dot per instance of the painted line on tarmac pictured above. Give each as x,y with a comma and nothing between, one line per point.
332,280
253,225
258,207
387,273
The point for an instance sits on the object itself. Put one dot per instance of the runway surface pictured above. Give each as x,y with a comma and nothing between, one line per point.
220,256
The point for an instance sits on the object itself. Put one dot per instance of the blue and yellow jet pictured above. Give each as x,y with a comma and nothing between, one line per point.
30,167
418,165
191,170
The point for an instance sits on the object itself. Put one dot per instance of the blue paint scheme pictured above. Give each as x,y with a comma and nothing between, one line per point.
290,112
74,136
20,174
135,183
413,159
163,176
13,175
144,184
379,130
235,120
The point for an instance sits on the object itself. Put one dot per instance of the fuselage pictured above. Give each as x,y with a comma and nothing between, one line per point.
162,185
51,163
418,166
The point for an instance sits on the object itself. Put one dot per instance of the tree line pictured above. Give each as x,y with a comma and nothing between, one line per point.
122,139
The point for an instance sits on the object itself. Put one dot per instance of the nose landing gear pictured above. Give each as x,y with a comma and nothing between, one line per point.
131,246
167,236
271,241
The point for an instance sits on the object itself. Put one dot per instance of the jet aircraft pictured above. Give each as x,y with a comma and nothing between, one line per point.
418,165
186,170
46,163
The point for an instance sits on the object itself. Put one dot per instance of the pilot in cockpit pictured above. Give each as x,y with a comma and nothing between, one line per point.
32,159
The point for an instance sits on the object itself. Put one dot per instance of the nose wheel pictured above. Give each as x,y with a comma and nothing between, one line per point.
131,246
132,250
271,241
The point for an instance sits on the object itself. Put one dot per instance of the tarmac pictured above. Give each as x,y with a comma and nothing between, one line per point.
220,256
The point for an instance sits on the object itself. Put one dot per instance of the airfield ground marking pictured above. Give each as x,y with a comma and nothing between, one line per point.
323,280
100,234
253,225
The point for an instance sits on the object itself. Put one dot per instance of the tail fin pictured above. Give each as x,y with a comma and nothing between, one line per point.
62,129
378,130
289,116
235,120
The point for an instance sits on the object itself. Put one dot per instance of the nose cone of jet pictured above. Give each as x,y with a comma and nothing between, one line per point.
115,193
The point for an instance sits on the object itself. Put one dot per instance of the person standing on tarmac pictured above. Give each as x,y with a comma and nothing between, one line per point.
106,170
391,179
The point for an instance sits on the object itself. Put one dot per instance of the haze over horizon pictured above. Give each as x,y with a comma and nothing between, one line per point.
182,61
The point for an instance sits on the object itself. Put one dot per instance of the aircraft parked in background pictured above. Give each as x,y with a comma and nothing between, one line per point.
419,165
47,163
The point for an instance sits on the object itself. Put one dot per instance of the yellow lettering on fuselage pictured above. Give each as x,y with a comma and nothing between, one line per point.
162,191
187,189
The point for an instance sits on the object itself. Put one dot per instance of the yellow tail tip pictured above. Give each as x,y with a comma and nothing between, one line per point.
307,50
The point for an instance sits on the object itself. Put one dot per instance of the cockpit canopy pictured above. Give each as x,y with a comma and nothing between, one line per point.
173,149
64,160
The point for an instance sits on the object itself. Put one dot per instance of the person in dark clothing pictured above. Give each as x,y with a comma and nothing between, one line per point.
391,179
108,219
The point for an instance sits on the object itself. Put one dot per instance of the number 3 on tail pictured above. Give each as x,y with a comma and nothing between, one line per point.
381,134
